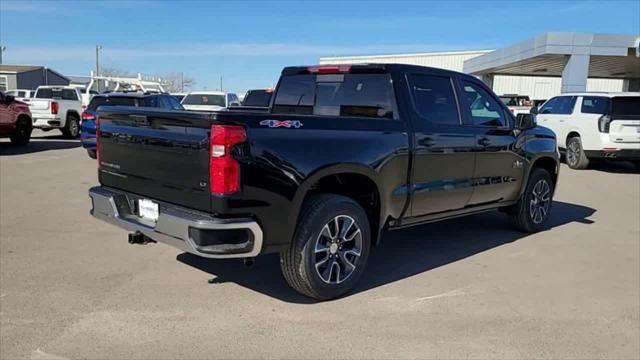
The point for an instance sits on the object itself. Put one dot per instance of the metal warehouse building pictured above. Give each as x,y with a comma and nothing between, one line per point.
29,77
537,87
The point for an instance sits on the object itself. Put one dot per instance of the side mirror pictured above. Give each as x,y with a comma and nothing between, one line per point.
533,110
525,121
9,99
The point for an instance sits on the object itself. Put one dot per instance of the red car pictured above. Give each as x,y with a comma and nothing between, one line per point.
15,120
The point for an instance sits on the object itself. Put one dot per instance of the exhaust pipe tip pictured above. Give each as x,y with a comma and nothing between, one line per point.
139,238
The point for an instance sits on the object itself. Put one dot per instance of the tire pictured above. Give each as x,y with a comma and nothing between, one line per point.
92,154
22,135
322,262
71,129
576,158
636,163
526,215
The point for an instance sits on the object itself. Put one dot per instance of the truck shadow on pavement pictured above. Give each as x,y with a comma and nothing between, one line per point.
615,167
401,254
39,144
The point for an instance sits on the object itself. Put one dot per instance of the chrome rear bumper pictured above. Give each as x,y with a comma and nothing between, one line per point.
175,225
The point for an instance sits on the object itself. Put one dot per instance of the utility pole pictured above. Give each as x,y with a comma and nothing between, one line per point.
98,48
181,81
220,82
2,50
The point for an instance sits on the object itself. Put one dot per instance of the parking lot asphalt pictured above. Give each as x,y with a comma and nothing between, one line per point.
72,287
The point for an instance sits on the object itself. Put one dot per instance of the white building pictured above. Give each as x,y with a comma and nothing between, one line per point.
537,87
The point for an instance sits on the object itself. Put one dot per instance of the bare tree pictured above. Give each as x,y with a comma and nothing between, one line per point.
115,71
176,81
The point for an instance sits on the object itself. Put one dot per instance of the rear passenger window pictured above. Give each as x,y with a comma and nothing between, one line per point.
595,105
483,108
362,95
434,99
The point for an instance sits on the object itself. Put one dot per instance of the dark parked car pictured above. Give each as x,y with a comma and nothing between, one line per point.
15,120
88,124
257,98
344,153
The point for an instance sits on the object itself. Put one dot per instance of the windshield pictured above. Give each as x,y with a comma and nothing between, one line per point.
628,105
111,101
203,99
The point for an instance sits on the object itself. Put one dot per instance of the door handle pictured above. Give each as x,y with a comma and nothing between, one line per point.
484,141
427,141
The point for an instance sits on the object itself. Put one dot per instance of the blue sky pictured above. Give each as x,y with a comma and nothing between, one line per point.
248,43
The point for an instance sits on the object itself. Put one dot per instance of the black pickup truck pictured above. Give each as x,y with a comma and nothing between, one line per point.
343,154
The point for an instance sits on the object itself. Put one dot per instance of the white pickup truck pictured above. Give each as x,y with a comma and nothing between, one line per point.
57,107
517,104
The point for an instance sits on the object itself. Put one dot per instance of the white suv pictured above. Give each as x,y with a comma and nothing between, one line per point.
594,125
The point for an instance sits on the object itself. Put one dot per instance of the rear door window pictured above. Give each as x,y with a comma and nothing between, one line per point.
483,108
434,99
595,105
360,95
627,105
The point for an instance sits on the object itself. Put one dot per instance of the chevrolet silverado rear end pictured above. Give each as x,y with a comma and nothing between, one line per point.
160,172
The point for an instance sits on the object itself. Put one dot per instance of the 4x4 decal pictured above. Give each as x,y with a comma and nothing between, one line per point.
277,123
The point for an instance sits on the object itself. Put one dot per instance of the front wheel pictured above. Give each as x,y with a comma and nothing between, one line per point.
330,248
71,129
531,212
22,135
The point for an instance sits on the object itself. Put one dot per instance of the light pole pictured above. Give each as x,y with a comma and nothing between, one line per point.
2,50
98,48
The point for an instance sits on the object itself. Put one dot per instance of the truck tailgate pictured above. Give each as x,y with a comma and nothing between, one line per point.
156,154
39,104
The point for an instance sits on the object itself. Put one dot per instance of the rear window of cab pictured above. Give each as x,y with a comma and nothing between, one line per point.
358,95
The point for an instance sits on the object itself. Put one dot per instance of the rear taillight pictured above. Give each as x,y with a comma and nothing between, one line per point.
224,170
97,120
603,123
54,107
88,116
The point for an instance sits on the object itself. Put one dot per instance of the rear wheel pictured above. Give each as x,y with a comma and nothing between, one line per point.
576,158
22,135
92,153
531,212
330,248
71,129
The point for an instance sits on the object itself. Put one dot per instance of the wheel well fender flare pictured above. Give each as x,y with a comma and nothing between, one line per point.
73,113
306,186
544,161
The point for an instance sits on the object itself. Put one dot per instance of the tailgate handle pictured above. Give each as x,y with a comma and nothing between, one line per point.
139,119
